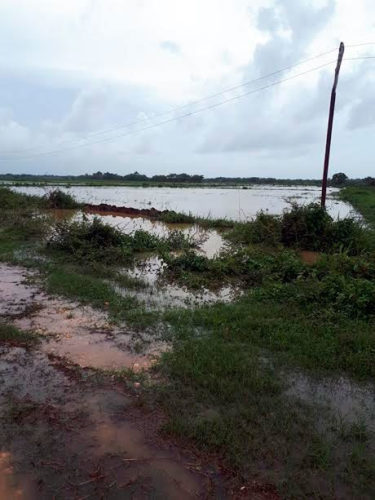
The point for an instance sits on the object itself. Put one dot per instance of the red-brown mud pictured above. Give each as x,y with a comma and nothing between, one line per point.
113,209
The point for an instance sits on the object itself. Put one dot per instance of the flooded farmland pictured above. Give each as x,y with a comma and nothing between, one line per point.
230,203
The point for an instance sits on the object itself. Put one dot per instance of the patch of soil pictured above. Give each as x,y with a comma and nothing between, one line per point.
113,209
309,257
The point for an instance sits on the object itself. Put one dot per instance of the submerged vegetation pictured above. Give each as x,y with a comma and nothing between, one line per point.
96,241
225,384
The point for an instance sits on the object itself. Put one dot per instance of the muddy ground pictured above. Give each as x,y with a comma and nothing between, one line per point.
70,428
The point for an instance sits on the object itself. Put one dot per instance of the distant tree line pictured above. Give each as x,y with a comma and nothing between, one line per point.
338,179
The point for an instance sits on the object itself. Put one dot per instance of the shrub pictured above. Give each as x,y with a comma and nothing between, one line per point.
59,199
190,261
11,200
175,217
306,227
264,229
89,240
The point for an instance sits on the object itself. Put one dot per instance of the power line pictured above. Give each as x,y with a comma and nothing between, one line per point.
177,108
358,58
112,138
207,108
360,44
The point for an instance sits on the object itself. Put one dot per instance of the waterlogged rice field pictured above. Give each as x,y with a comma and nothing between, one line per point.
236,204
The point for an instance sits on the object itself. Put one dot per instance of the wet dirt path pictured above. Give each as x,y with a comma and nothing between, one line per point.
67,432
63,420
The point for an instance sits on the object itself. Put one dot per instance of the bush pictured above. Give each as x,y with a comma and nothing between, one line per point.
307,227
176,218
90,240
95,240
59,199
11,200
264,229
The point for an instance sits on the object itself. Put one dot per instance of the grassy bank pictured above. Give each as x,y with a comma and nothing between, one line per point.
363,200
224,384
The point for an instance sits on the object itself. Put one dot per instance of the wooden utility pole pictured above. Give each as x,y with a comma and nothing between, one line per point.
330,123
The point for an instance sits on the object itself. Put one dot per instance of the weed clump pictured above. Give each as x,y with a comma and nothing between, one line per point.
250,266
11,200
59,199
310,227
307,227
89,241
95,241
12,335
176,217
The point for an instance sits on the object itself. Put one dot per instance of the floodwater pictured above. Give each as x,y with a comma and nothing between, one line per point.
230,203
209,242
81,334
349,401
160,295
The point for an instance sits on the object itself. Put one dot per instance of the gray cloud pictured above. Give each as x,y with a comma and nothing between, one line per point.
273,132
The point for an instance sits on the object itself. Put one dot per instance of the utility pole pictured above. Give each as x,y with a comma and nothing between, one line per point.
330,123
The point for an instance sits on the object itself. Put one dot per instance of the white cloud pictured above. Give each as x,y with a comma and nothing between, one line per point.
69,69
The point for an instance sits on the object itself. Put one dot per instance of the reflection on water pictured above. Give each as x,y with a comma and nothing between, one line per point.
209,242
81,334
231,203
163,295
350,401
97,350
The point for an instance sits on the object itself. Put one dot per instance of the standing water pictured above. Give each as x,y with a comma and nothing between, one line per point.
230,203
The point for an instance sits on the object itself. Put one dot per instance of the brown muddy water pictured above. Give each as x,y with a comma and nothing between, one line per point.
230,203
69,433
68,438
79,333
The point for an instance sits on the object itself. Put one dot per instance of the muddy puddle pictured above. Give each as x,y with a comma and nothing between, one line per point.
66,437
13,485
79,333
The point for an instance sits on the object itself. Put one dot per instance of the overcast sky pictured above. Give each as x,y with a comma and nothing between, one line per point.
73,72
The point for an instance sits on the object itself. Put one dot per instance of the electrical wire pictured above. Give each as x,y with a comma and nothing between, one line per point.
192,103
176,118
113,138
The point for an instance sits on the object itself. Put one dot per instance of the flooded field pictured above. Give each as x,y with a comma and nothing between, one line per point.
155,292
231,203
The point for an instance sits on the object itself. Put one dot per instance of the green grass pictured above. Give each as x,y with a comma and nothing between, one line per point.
11,334
89,289
225,394
362,199
314,338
